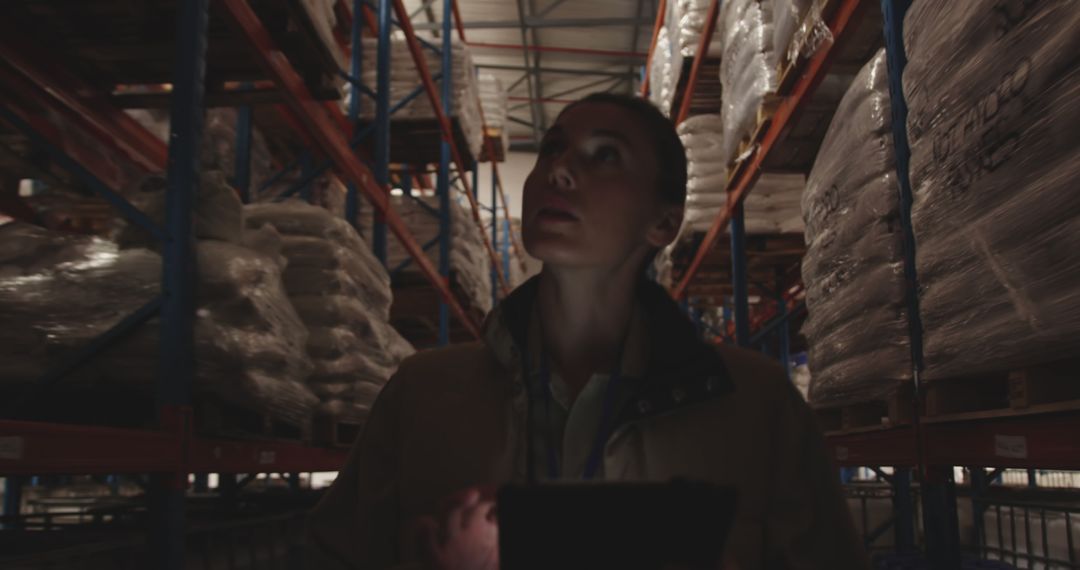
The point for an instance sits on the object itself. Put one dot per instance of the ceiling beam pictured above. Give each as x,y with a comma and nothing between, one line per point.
534,22
557,70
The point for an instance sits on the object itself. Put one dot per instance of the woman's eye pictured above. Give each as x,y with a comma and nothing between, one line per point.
606,153
548,148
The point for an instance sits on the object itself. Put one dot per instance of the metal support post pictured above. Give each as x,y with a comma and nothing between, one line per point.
307,172
979,484
352,193
494,230
177,349
406,182
13,487
506,248
903,510
242,168
738,277
476,184
940,518
782,331
202,482
446,84
382,124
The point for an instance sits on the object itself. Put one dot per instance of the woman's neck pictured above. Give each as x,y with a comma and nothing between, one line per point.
584,314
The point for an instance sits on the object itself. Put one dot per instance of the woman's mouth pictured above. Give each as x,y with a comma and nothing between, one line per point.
552,214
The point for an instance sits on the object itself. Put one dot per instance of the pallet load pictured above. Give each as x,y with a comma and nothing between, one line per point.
995,156
662,80
493,100
689,23
58,292
853,266
798,28
470,265
772,208
342,295
219,140
404,78
748,69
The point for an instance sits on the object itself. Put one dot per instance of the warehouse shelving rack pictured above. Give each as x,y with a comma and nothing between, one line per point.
172,450
925,451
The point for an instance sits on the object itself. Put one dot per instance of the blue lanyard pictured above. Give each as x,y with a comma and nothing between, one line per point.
603,430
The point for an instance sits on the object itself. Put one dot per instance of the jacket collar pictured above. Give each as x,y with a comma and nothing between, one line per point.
681,368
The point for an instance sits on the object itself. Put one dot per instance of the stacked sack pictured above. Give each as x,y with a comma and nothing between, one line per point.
995,156
747,70
662,72
853,267
469,259
798,28
493,100
404,78
218,147
689,21
706,170
59,292
342,294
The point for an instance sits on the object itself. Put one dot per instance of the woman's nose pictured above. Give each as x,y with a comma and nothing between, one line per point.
561,176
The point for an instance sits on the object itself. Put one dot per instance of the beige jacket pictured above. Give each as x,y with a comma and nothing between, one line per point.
455,417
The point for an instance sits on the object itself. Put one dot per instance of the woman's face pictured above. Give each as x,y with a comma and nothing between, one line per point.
591,199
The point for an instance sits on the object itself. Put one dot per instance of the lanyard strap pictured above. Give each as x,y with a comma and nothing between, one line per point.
603,429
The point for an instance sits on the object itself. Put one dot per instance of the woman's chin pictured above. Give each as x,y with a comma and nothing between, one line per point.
558,250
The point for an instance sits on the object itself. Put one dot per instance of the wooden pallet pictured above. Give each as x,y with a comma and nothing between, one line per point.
895,410
415,311
336,431
764,118
419,141
217,418
495,137
786,67
1045,388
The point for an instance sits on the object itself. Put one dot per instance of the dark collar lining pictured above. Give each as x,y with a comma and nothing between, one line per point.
682,369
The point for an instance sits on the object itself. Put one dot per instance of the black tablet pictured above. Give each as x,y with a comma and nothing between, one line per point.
652,526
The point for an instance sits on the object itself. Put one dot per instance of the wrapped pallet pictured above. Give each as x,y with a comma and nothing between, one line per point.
747,69
689,23
853,268
404,78
662,72
342,294
995,155
249,342
469,260
494,102
219,140
798,29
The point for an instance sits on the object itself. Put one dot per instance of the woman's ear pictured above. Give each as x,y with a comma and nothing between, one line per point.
666,228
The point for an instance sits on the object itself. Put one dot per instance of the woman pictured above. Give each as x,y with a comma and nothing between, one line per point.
587,371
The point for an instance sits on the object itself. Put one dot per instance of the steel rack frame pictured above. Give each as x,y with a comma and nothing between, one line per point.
926,450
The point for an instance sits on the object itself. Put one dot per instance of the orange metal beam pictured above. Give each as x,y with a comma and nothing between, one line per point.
744,179
447,130
699,57
661,11
332,141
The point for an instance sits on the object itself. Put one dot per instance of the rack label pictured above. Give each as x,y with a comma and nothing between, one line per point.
1010,446
11,447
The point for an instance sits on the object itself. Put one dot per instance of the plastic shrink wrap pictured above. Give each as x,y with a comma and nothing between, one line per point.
798,29
493,100
404,78
992,92
690,17
342,294
857,327
747,70
469,260
218,213
218,151
662,72
249,342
